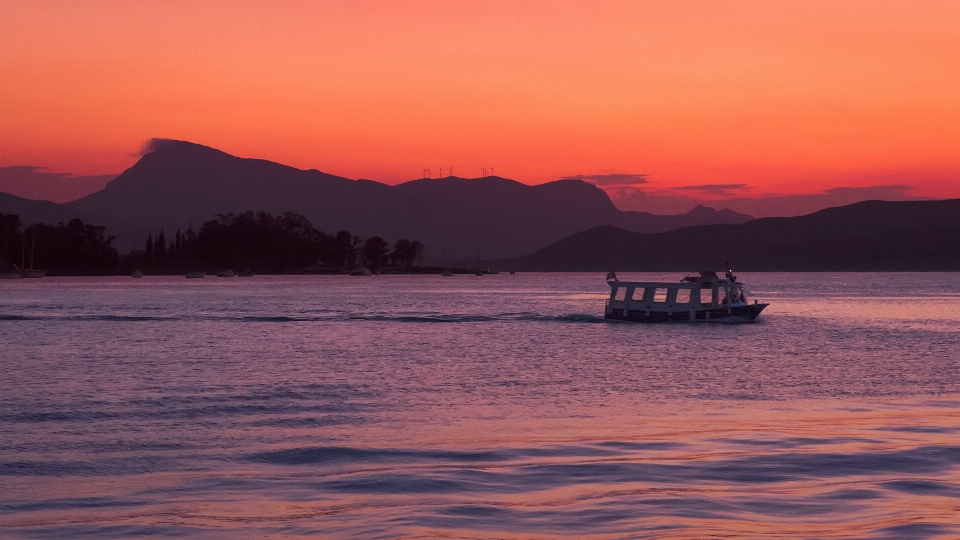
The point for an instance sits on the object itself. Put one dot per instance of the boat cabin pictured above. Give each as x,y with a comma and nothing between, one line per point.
706,296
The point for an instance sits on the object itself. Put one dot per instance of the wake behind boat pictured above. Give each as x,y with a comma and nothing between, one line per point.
703,298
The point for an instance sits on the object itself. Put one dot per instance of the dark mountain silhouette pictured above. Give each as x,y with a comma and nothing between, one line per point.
178,184
866,236
31,211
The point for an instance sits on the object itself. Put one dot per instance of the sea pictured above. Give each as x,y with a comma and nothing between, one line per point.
501,406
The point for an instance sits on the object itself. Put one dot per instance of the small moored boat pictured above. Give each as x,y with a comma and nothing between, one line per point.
703,298
226,273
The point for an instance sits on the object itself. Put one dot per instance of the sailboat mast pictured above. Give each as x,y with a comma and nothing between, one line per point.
33,246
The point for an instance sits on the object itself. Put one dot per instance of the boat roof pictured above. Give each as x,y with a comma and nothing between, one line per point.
688,282
667,284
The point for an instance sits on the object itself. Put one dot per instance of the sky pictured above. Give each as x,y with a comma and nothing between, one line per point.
662,104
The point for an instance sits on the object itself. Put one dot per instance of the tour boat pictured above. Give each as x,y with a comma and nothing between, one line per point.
703,298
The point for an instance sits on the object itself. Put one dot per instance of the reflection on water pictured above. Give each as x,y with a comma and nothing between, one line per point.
501,406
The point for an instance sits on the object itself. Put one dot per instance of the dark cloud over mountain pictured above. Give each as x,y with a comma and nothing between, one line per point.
716,189
39,183
615,179
734,196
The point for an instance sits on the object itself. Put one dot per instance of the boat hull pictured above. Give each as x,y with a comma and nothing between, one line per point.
729,315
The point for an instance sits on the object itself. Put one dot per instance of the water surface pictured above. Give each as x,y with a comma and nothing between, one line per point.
476,407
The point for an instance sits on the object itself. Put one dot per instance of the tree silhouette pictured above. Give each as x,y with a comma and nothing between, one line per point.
73,249
175,250
254,240
344,252
405,252
269,243
160,249
148,252
11,241
374,252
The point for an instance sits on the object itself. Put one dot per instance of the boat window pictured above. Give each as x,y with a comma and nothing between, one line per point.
660,295
683,296
706,297
621,293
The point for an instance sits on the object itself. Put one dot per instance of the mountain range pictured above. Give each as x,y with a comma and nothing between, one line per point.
865,236
180,184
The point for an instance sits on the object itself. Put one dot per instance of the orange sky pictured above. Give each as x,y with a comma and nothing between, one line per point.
786,97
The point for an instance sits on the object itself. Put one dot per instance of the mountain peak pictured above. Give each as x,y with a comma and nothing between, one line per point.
160,145
725,214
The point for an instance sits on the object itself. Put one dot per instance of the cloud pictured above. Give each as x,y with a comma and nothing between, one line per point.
680,200
879,192
714,189
41,184
615,179
157,144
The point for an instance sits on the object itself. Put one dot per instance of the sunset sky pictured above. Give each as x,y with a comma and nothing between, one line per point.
680,100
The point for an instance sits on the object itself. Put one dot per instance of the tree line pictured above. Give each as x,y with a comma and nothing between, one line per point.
72,249
257,241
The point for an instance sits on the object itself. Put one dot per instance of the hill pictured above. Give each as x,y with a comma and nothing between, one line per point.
866,236
32,211
179,184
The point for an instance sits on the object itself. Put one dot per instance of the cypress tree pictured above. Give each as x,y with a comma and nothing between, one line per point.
160,249
148,252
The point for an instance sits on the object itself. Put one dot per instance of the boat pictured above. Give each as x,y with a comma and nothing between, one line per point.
446,273
226,273
706,297
31,272
194,275
136,274
15,274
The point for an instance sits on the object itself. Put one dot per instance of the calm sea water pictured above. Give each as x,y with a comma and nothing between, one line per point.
501,406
